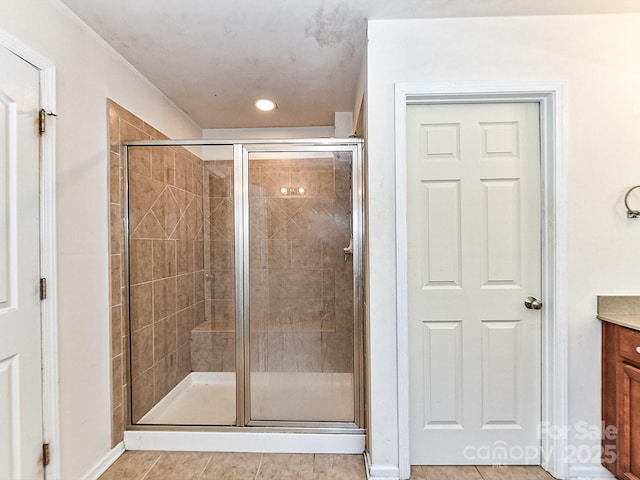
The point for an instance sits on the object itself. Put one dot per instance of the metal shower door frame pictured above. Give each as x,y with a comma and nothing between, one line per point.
353,146
241,151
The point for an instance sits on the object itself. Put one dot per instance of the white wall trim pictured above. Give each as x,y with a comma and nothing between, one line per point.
259,442
104,463
553,118
48,267
591,472
380,472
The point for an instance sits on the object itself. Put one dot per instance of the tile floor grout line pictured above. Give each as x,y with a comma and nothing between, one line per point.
151,467
205,467
259,465
485,474
479,472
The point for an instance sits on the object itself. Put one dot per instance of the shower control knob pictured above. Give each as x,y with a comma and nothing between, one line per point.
532,303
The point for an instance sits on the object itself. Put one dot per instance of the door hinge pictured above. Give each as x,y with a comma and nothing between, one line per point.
42,119
43,288
45,454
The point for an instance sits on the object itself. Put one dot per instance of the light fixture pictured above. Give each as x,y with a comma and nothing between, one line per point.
292,190
265,104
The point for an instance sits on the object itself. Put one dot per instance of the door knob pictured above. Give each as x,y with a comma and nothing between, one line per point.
532,303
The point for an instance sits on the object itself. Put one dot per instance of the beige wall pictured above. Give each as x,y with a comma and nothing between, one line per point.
597,55
88,71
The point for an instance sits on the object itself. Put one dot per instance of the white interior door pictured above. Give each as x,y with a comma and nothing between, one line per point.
473,226
20,343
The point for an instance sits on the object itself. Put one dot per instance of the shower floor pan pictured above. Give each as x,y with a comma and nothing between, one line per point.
209,398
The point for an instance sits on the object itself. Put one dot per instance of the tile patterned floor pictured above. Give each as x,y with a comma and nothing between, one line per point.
479,473
146,465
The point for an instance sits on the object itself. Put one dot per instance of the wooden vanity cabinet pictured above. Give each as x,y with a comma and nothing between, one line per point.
621,401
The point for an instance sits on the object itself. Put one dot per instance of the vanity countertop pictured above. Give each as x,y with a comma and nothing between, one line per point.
629,321
623,310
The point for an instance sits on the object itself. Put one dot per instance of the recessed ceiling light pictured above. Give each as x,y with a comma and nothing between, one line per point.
265,104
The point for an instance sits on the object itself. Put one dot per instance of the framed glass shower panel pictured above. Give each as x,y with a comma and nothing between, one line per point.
180,249
300,285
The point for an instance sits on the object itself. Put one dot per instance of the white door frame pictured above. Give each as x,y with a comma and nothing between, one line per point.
48,268
553,130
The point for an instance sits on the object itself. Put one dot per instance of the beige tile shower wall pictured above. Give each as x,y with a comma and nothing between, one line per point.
166,266
213,345
220,236
301,287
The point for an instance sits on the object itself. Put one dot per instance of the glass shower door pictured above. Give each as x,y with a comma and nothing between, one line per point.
301,287
180,246
242,266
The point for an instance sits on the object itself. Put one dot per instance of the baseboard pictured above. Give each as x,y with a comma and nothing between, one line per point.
106,461
591,472
380,472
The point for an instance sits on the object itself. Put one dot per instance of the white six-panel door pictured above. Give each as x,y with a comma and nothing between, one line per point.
20,341
473,227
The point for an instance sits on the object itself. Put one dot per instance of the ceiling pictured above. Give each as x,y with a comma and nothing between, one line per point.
214,58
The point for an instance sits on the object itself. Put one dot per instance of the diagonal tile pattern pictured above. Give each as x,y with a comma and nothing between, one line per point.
296,262
166,251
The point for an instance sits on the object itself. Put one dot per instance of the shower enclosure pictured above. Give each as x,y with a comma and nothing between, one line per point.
244,270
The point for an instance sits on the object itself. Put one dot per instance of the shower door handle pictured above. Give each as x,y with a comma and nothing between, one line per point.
348,250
